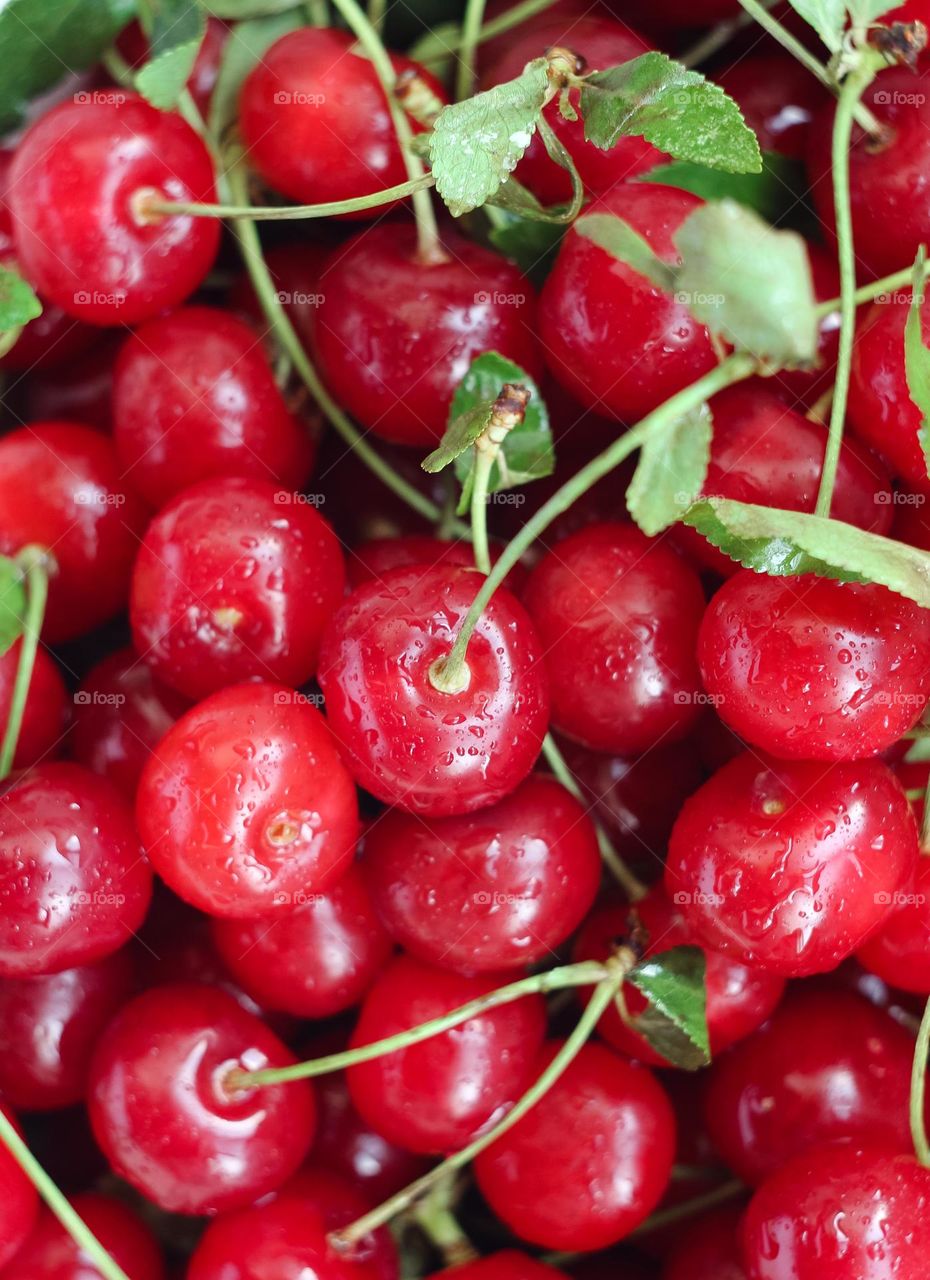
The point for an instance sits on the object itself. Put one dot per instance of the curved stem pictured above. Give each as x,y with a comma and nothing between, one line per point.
433,48
435,1216
34,561
918,1089
484,465
293,212
903,279
377,12
688,1209
718,37
471,32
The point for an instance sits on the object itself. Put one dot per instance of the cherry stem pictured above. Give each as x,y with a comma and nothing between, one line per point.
290,212
434,48
507,412
344,1240
435,1216
718,37
76,1227
918,1089
377,12
584,974
876,289
468,48
689,1208
34,562
924,794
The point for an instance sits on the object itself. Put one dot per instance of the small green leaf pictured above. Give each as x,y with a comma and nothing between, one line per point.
675,1021
675,109
917,357
671,471
531,244
827,17
18,302
477,143
175,31
774,193
618,238
247,43
465,426
12,603
783,543
243,10
865,12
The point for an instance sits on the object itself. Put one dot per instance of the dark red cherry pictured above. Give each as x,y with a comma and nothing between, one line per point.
618,617
394,336
246,806
49,341
42,733
778,98
296,270
19,1202
811,669
87,517
436,1096
82,388
167,1117
590,1162
235,580
498,889
50,1253
898,952
409,744
788,866
194,398
134,47
665,14
610,337
708,1249
73,882
806,386
377,557
77,191
739,999
507,1264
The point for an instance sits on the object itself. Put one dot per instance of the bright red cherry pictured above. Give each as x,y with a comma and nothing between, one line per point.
45,716
708,1249
788,866
77,191
19,1202
246,807
618,617
611,338
81,390
51,1253
409,744
739,999
73,882
134,47
507,1264
87,517
394,336
811,669
778,98
590,1162
375,558
899,952
493,890
167,1116
436,1096
235,580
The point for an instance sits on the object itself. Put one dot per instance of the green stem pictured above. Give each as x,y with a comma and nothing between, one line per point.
484,465
918,1089
290,212
903,279
471,33
717,38
377,12
585,973
432,49
34,561
435,1216
689,1208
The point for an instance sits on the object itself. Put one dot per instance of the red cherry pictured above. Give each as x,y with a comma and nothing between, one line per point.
590,1162
19,1202
166,1117
507,1264
663,14
81,390
610,336
373,559
73,882
709,1249
235,580
407,743
45,716
493,890
898,952
393,336
788,866
87,518
47,342
134,47
436,1096
618,618
808,385
247,808
193,399
295,270
811,669
739,999
82,234
50,1253
778,98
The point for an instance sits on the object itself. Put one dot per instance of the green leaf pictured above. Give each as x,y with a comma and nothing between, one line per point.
175,31
748,282
41,41
18,302
465,426
12,603
619,239
675,109
671,471
241,10
827,17
865,12
477,143
675,1021
773,193
531,244
917,357
784,543
247,43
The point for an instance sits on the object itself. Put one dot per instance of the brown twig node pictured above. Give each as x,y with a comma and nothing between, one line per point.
902,43
508,412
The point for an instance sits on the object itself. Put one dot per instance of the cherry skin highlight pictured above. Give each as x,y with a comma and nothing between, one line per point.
19,1202
51,1254
44,718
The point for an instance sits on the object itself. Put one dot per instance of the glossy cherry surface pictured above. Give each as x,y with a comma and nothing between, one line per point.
778,98
708,1249
373,559
436,1096
618,617
246,807
45,715
19,1203
168,1121
393,337
235,580
788,866
506,1264
82,235
427,751
74,884
899,952
194,398
50,1253
588,1164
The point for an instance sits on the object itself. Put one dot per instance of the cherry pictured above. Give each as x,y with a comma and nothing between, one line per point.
898,953
377,557
194,398
81,390
610,336
812,669
618,618
778,98
664,14
788,866
843,1212
134,47
247,808
590,1162
50,1253
315,120
506,1264
45,714
77,191
709,1249
49,1026
49,341
493,890
317,961
393,336
739,999
167,1116
73,882
19,1202
808,385
409,744
235,580
90,521
436,1096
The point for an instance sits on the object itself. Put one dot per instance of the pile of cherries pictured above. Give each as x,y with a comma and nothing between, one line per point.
245,827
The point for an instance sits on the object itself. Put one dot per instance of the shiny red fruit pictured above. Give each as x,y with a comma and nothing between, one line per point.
708,1249
506,1264
19,1202
899,952
41,735
50,1253
778,98
295,270
377,557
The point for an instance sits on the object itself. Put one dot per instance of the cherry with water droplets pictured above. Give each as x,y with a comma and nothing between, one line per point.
899,951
